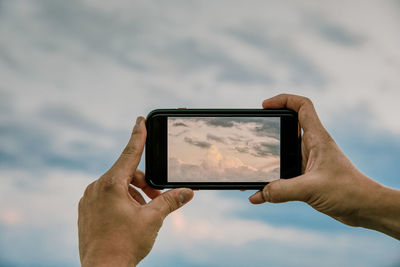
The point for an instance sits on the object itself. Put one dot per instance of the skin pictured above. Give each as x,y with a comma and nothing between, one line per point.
330,183
116,226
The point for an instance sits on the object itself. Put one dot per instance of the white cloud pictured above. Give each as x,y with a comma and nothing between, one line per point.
237,152
76,73
223,170
208,226
38,216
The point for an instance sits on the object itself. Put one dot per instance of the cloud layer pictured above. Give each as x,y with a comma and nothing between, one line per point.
223,149
75,74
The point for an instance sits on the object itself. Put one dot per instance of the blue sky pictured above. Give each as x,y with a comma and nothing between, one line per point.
74,75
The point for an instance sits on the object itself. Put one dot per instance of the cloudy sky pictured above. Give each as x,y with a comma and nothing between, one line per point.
74,75
223,149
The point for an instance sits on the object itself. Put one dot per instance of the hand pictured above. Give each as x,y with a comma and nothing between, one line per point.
330,182
116,225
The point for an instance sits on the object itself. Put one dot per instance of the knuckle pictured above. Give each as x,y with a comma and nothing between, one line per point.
307,100
80,204
265,194
282,95
171,203
88,190
138,131
272,193
131,149
87,194
107,183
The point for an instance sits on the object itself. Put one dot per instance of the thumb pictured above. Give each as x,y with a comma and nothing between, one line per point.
171,200
283,190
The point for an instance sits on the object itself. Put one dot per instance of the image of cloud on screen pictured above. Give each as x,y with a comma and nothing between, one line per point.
223,149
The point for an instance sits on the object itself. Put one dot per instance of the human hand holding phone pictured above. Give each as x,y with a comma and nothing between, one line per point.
330,183
116,226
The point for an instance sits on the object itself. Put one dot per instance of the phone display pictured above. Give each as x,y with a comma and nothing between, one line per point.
221,148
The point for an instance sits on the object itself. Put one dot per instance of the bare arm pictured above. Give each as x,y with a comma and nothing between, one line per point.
330,183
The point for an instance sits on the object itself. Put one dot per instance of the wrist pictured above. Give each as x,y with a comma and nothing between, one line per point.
382,211
105,262
107,257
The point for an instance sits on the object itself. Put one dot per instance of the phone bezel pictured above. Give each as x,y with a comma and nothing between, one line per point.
157,153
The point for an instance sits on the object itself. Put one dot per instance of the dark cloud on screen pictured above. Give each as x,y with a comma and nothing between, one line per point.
264,127
201,144
178,134
211,137
220,122
242,149
239,139
266,149
269,125
268,128
179,124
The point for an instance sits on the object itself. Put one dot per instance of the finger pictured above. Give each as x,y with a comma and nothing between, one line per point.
127,163
171,200
136,195
283,190
308,117
140,182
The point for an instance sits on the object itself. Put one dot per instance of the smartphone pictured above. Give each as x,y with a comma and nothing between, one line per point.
221,148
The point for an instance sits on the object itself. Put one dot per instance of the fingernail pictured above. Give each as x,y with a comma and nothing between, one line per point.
185,195
137,120
256,197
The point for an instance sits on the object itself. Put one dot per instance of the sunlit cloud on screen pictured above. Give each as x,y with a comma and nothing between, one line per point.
223,149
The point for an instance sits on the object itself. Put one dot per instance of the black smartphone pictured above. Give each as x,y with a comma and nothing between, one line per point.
221,148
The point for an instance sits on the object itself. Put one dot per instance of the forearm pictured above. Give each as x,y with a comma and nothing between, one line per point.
383,211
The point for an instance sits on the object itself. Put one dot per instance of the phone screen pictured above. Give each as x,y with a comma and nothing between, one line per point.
223,149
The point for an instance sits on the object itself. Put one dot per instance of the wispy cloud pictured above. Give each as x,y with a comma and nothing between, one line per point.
301,69
56,138
266,149
218,139
333,32
220,122
179,124
201,144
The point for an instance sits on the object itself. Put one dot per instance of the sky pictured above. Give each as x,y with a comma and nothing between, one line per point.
74,75
223,149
